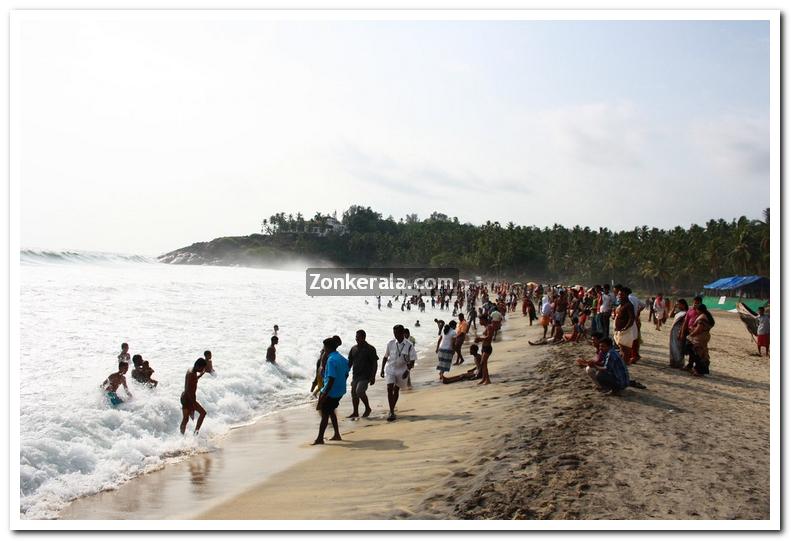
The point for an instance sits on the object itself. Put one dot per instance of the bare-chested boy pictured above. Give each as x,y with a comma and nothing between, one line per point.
115,380
124,355
189,401
271,353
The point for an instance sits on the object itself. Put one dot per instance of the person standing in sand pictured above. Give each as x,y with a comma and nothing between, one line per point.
362,362
444,349
486,350
335,373
762,337
659,311
395,371
699,337
625,328
461,334
189,400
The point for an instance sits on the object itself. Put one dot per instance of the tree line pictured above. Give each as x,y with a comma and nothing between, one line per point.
652,259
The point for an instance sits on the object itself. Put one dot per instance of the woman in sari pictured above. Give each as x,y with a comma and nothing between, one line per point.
699,337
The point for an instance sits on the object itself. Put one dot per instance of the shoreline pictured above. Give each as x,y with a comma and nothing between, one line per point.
539,443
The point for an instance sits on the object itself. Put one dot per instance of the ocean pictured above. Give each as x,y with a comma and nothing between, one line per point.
76,308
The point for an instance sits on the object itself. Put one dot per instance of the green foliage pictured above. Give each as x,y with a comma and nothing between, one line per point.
646,258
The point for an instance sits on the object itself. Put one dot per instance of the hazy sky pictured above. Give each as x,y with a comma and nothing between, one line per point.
143,135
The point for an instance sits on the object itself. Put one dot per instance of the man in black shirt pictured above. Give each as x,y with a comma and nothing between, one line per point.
362,361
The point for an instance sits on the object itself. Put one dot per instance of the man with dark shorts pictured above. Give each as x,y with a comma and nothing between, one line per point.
362,361
189,400
335,373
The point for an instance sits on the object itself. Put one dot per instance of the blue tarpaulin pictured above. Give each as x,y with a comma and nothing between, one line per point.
738,282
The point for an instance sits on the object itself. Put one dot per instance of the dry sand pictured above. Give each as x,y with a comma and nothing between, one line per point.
541,443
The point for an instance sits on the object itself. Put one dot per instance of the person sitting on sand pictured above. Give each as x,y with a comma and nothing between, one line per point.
335,373
486,349
189,399
609,372
363,363
398,353
123,357
115,380
271,352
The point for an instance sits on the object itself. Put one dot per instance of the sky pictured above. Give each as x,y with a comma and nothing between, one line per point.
142,135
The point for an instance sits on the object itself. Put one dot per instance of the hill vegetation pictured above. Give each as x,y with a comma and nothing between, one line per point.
649,258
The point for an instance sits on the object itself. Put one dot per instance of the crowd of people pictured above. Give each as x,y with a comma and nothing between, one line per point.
608,318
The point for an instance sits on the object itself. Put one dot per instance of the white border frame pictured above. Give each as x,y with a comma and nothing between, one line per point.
772,16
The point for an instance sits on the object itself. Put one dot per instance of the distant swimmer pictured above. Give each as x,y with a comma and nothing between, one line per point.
417,323
115,380
189,401
274,330
124,355
271,353
209,367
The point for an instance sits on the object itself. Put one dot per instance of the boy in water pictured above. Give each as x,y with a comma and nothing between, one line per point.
271,353
115,380
209,367
275,329
189,401
147,372
124,355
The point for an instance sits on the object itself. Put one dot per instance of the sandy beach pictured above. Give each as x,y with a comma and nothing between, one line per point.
539,443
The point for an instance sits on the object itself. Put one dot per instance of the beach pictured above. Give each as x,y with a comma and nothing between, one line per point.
539,443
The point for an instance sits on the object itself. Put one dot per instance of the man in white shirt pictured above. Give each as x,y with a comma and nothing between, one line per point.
399,354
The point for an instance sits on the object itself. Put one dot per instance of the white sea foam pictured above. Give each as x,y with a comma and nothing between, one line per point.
77,308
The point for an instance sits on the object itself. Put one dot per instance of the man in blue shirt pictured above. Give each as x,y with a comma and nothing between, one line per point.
335,374
612,374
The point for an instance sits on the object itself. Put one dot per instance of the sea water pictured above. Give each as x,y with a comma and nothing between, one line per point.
76,309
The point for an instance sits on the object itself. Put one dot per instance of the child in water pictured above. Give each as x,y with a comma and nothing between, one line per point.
115,380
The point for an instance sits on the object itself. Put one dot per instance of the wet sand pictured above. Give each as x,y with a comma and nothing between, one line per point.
539,443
